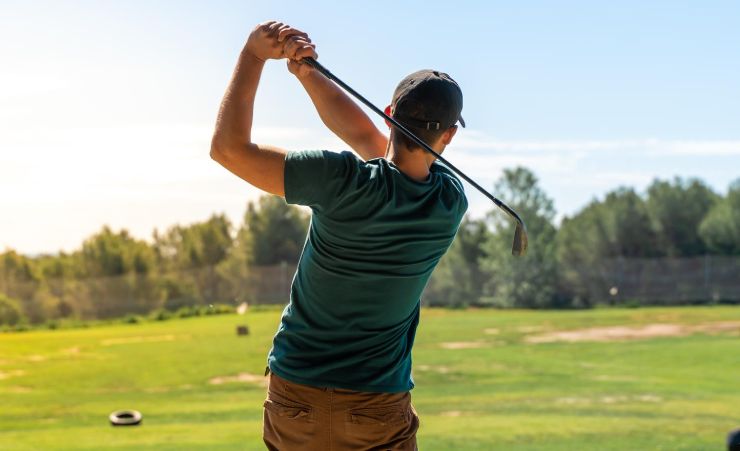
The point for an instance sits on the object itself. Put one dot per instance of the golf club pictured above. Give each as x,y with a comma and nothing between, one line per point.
519,247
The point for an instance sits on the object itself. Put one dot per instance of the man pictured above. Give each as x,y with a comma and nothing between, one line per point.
341,359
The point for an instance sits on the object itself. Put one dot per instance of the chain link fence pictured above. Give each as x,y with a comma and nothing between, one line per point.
665,281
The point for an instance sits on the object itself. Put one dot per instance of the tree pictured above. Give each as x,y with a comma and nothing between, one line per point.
528,281
720,230
278,230
113,254
458,279
120,273
10,311
235,269
194,251
677,209
592,243
620,226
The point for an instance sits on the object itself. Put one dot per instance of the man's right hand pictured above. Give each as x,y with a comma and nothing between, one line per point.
295,48
267,40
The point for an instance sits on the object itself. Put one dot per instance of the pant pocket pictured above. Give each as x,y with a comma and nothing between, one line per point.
288,425
380,416
381,428
287,408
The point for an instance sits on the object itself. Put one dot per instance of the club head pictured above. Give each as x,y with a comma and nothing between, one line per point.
519,248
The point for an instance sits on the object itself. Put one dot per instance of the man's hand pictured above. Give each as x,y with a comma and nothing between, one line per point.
267,40
295,48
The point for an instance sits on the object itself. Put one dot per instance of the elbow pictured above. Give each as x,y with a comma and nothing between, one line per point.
218,149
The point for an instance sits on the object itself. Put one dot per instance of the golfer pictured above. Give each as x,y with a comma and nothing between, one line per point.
382,217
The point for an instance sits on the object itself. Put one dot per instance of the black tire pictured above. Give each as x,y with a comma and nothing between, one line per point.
125,418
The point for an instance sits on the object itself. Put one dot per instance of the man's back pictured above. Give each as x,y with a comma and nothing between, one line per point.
375,237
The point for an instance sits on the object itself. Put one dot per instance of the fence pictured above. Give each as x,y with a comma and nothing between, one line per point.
646,281
704,279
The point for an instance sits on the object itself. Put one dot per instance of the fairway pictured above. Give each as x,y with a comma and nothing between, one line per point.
638,379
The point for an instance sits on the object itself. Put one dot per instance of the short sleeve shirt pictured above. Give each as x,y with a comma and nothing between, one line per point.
374,239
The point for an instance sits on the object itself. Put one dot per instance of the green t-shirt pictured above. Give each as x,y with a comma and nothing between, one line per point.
375,237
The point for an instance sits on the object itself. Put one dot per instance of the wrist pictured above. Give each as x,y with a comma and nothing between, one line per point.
248,55
307,76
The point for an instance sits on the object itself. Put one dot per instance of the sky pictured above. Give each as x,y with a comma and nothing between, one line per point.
107,107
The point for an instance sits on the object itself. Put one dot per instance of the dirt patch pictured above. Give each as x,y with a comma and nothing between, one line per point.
624,333
241,377
157,390
530,329
433,369
614,378
463,345
11,373
491,331
451,413
36,358
137,339
71,351
610,399
17,389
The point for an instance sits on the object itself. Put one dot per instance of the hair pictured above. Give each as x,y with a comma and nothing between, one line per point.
428,136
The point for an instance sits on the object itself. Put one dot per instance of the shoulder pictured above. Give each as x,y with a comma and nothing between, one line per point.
453,183
304,156
447,175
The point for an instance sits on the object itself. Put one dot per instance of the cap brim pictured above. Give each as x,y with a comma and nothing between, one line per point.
461,121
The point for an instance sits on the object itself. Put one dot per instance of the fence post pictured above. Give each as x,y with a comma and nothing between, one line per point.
708,276
283,272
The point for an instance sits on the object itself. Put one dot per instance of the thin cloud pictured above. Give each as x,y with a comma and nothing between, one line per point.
659,147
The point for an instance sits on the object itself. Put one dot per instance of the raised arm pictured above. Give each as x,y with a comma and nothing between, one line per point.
232,146
338,112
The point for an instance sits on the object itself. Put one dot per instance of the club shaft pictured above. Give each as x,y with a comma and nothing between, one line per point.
316,65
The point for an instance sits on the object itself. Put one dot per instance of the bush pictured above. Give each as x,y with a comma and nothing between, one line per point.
161,315
10,311
131,319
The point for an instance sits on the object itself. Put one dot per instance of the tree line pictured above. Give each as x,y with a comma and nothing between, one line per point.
113,274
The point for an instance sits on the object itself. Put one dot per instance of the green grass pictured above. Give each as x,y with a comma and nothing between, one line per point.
671,393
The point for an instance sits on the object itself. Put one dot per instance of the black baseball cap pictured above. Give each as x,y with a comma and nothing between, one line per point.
428,99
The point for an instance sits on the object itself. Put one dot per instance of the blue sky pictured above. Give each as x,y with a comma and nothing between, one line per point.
106,108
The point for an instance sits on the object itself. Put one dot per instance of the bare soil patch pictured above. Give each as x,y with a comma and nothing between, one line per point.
610,399
432,369
17,389
463,345
241,377
138,339
624,333
11,373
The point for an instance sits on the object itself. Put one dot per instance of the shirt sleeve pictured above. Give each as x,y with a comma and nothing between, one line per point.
456,184
318,178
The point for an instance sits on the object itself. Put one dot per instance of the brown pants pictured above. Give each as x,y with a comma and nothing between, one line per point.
301,417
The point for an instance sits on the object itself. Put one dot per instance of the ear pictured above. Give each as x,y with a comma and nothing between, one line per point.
447,135
387,111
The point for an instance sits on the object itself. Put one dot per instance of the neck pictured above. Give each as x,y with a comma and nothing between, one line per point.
414,164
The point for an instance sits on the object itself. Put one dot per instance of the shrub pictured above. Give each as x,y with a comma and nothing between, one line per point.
10,311
161,315
131,319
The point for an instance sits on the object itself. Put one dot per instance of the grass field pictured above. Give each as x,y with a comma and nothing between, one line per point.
486,380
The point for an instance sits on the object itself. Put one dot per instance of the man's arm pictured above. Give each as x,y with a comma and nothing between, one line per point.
338,112
232,146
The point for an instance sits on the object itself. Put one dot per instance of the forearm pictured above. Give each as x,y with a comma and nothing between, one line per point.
234,122
343,116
